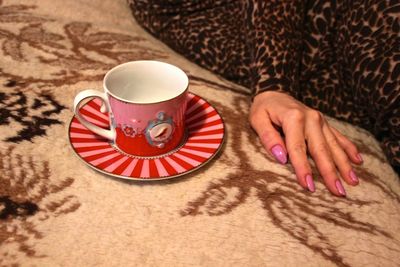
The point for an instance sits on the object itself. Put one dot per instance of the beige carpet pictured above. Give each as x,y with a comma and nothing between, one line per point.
242,209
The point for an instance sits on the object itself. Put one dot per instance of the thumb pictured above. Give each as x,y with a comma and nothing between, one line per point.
269,136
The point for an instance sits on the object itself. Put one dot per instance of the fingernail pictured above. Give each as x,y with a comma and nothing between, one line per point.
340,188
279,154
353,176
310,183
360,157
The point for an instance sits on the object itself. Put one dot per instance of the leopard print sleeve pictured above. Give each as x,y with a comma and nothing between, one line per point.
276,34
253,43
211,33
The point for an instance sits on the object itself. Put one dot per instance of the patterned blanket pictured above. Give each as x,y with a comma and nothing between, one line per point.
241,209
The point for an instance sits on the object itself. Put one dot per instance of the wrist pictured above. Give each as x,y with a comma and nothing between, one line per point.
269,95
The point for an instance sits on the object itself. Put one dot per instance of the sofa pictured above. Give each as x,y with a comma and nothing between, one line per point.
240,209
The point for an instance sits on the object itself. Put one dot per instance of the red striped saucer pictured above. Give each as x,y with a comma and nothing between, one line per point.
205,136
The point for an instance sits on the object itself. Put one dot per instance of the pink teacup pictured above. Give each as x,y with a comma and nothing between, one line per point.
146,104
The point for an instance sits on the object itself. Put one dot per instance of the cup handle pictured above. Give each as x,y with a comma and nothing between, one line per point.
105,107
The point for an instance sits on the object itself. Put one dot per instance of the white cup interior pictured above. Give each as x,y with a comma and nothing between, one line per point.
145,81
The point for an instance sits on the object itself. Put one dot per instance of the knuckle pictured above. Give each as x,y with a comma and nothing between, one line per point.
346,143
319,149
345,168
351,146
298,148
269,134
296,115
332,141
315,116
328,172
253,118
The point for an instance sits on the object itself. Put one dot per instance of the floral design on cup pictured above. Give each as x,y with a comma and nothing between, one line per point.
159,131
129,130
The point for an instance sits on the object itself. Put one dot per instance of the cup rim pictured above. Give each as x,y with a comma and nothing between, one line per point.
142,61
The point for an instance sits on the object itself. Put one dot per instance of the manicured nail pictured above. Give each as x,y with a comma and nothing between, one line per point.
340,188
310,183
353,176
360,157
279,154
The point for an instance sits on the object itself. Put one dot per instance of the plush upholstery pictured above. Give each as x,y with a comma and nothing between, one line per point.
242,209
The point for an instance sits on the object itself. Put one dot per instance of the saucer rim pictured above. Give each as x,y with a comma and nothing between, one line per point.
150,179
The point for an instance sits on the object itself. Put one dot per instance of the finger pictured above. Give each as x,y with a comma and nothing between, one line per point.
340,157
293,127
269,136
348,146
320,152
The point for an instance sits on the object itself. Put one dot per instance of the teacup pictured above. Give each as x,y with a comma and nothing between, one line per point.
146,103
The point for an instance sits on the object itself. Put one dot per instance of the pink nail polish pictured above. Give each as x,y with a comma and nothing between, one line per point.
360,157
310,183
340,188
353,176
279,154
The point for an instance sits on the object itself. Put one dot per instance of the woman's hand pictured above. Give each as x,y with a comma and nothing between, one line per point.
305,129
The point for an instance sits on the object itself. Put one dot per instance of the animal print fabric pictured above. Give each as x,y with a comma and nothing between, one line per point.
340,57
